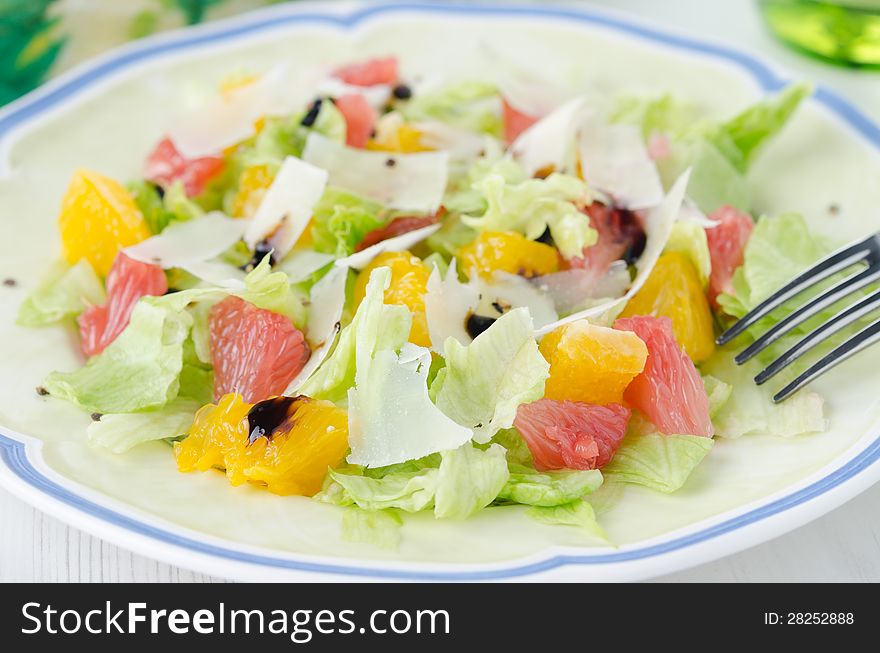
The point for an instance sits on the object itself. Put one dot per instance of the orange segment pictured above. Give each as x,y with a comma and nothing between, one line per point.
292,458
673,290
405,139
409,282
98,218
591,364
507,251
252,186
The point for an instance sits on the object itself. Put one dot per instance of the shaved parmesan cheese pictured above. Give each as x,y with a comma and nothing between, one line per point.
509,291
216,273
573,289
658,227
463,145
360,260
614,160
192,241
525,86
409,182
448,303
377,96
691,213
391,418
326,303
287,206
550,142
299,265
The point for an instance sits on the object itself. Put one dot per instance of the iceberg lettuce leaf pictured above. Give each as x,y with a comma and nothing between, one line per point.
66,292
656,461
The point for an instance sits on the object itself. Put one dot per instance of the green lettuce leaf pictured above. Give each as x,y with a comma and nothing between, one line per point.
656,115
377,527
689,239
660,462
779,249
273,292
578,513
469,479
714,181
534,205
66,292
465,197
374,327
149,201
483,383
178,206
342,219
741,137
750,408
410,491
121,431
138,370
718,392
470,105
547,489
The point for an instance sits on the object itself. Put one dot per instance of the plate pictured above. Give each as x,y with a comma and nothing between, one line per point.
107,115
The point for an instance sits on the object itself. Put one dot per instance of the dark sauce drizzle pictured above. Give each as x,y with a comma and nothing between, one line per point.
272,416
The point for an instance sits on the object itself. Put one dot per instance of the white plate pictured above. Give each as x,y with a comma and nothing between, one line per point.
107,115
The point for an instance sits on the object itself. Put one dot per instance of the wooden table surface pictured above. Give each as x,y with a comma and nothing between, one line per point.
842,546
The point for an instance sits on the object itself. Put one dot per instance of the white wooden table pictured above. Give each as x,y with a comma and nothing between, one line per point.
842,546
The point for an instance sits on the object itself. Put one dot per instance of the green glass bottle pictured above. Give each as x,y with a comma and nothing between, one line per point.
845,32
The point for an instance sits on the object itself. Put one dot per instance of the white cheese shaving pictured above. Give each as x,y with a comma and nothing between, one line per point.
413,182
192,241
300,264
391,418
287,205
615,161
326,303
448,302
360,260
550,142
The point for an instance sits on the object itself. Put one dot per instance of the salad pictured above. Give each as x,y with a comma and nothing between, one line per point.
396,294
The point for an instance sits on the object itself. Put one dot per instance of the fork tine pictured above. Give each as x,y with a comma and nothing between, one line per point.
828,266
868,336
828,298
840,321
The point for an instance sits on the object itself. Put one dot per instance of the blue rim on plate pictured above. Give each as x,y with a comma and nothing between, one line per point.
13,453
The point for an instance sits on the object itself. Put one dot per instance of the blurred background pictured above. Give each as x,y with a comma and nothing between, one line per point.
41,38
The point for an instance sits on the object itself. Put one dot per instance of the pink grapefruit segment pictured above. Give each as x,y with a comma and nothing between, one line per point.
128,281
571,435
727,245
165,165
256,353
669,391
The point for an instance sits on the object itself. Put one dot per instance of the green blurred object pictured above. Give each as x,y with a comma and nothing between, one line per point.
845,32
29,45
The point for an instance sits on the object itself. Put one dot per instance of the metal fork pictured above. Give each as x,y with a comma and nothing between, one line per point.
866,255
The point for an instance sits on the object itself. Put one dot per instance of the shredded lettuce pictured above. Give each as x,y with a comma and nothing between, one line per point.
484,382
273,292
122,431
149,201
718,392
465,195
552,488
719,154
375,326
470,105
532,206
741,137
410,491
689,238
138,370
380,528
656,461
342,219
391,418
469,479
750,408
578,513
65,292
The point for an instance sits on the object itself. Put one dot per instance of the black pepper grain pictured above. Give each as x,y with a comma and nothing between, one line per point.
10,282
42,391
402,92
